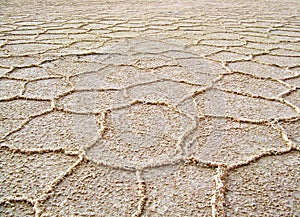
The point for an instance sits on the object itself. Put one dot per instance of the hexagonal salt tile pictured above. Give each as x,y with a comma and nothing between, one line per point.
94,191
179,191
269,187
140,134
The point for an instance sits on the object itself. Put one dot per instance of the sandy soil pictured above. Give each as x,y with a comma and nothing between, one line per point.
149,108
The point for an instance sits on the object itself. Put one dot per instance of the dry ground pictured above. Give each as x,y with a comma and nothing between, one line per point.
149,108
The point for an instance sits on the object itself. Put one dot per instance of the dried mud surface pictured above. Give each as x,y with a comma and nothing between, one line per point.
149,108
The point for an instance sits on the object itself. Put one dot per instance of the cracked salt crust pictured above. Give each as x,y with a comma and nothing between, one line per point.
149,109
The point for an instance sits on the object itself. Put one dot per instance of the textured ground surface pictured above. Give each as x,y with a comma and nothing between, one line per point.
149,108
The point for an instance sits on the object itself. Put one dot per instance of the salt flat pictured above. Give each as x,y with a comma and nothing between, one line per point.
149,108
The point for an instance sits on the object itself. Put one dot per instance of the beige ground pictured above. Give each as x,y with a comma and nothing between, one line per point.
149,108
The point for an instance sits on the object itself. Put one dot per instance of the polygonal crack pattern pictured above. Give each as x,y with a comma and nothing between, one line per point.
149,109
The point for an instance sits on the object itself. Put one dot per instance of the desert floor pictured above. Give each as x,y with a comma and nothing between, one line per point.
149,108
